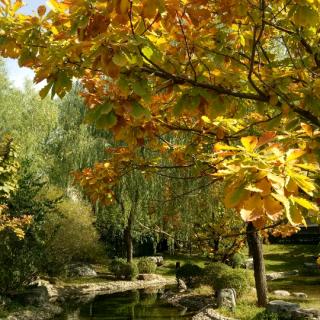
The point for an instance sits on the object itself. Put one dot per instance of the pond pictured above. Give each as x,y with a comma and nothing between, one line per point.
133,305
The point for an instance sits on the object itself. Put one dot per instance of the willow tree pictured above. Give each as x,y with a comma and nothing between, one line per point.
241,76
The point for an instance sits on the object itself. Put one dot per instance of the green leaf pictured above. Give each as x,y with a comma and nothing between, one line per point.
138,111
93,115
63,84
312,104
148,52
107,121
45,90
120,59
141,88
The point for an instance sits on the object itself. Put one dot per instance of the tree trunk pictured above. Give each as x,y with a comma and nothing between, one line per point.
128,238
255,247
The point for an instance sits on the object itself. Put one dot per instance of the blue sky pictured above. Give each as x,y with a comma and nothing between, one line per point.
18,75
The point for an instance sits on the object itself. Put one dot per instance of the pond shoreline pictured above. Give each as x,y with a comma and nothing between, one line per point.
81,293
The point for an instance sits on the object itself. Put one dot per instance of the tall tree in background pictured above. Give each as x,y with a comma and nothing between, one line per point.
241,77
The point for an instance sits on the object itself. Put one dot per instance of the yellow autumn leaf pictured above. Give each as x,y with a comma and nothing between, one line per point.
304,182
252,208
56,6
294,154
265,186
295,217
273,208
307,129
222,146
249,143
305,203
205,119
234,196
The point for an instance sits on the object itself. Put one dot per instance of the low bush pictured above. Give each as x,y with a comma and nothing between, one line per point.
221,276
123,269
237,260
191,274
146,265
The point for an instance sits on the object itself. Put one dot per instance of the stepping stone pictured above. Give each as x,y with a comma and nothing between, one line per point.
300,295
281,293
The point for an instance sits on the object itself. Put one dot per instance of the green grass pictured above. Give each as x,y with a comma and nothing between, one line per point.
277,258
169,266
291,257
287,257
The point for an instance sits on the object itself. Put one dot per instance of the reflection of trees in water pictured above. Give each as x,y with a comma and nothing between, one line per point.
138,304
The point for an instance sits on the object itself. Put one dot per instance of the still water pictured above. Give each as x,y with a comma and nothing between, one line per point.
133,305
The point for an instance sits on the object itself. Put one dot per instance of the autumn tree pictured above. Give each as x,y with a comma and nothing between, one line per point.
241,77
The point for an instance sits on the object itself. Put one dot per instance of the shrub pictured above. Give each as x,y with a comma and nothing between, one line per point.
70,237
237,260
221,276
190,273
18,264
214,270
130,271
117,266
123,269
266,315
146,265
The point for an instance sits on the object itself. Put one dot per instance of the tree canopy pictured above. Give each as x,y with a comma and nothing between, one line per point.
240,77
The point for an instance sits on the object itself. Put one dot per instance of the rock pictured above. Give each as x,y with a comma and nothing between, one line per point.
181,285
281,275
227,298
283,308
300,295
281,293
158,260
148,276
46,312
248,264
312,314
51,290
34,296
210,314
81,270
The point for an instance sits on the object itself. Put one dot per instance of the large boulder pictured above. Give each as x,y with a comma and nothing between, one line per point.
248,263
38,293
158,260
310,314
181,285
227,298
283,308
210,314
81,270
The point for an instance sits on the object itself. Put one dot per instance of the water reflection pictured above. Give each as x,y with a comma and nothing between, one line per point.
130,305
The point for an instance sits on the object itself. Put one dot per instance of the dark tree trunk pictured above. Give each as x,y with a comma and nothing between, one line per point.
255,248
128,238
